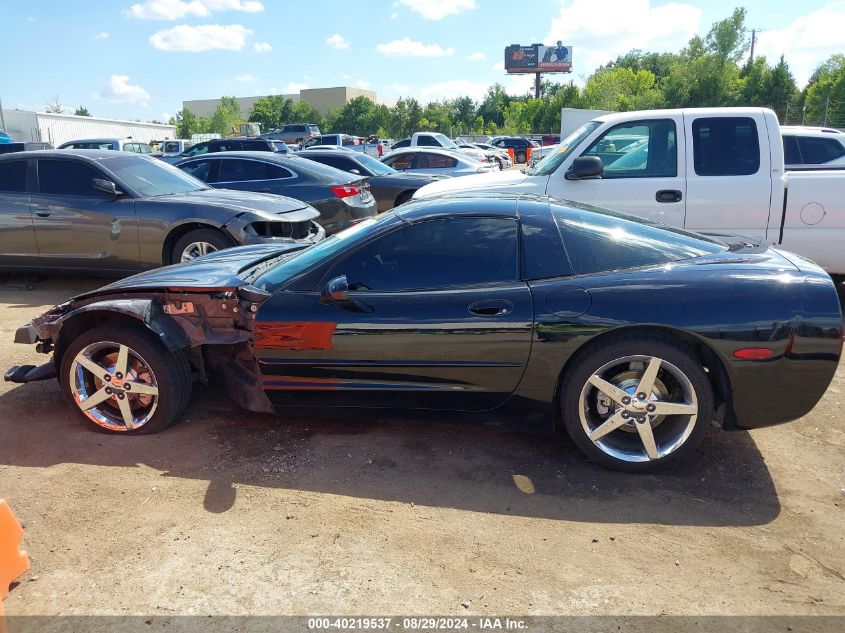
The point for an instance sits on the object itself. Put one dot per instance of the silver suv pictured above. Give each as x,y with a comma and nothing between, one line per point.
294,133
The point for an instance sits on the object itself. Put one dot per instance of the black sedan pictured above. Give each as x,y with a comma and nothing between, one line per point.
389,187
341,198
632,336
116,213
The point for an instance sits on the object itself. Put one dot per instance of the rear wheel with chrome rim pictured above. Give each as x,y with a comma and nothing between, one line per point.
121,379
636,403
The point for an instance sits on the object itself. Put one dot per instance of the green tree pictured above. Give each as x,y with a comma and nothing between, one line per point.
622,89
271,112
824,97
226,117
492,108
82,111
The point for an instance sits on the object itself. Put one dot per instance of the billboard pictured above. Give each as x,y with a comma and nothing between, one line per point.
538,58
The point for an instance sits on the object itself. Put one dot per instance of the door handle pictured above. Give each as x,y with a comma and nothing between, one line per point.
42,211
669,195
492,308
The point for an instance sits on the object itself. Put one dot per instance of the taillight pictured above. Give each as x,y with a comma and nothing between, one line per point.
345,191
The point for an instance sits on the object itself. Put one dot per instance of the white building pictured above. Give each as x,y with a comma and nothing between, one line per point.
44,127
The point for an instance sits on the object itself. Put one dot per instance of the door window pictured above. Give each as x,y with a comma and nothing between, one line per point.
816,151
197,150
400,162
426,160
13,176
725,146
199,169
639,149
236,170
67,178
434,255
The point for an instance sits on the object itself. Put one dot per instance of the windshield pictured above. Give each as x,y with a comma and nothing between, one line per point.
553,160
378,168
271,273
151,177
445,141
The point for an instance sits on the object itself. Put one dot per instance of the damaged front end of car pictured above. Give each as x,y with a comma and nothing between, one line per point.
212,327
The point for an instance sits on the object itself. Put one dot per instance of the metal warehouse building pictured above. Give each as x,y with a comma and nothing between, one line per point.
44,127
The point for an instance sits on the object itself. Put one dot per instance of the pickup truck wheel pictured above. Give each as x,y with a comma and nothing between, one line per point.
520,156
636,403
198,243
120,379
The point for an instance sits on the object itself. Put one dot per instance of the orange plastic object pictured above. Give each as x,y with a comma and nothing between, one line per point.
13,561
510,153
527,155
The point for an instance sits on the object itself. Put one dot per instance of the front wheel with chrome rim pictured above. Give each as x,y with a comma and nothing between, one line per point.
636,403
199,242
120,379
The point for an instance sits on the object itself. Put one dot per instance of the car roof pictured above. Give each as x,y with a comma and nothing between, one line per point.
815,132
506,205
291,161
426,148
90,154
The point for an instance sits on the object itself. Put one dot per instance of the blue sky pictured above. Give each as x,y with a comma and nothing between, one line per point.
142,58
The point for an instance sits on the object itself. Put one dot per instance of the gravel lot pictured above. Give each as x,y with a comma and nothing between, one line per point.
230,512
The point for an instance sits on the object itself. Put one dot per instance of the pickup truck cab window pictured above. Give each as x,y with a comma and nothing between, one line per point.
725,146
638,149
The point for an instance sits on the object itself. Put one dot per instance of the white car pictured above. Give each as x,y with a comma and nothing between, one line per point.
804,145
433,160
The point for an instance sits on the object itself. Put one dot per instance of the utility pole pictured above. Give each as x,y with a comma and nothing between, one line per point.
753,41
826,106
786,116
537,77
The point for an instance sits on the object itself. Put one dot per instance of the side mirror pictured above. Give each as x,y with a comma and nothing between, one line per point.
584,168
106,186
336,291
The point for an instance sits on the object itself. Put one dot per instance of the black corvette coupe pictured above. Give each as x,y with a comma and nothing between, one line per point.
632,336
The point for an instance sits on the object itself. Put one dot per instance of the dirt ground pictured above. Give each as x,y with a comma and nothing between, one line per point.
230,512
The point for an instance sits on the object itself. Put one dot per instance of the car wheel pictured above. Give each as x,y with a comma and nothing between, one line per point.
121,379
198,243
636,403
520,156
500,163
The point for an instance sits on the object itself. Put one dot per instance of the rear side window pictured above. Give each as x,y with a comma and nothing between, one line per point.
816,151
344,164
725,146
434,161
402,161
67,178
791,155
600,241
197,150
226,146
246,170
13,176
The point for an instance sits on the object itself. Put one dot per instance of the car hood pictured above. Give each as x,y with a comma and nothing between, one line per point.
238,201
211,273
508,181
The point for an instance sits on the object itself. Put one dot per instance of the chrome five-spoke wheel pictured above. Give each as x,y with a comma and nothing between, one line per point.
113,386
196,249
638,408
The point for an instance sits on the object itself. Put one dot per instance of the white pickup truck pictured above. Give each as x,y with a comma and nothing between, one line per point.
345,141
714,170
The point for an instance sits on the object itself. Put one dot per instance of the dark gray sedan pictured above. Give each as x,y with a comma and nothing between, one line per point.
341,198
390,187
117,213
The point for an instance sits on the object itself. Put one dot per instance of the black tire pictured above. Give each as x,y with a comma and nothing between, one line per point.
402,198
171,372
215,238
596,356
520,156
501,164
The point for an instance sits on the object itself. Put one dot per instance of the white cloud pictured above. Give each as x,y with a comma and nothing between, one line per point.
438,9
476,57
454,88
623,25
406,47
244,78
807,42
498,66
102,35
294,87
363,84
337,41
262,47
205,37
178,9
119,90
166,116
393,16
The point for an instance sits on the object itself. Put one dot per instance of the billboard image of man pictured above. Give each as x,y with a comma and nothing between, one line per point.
560,54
